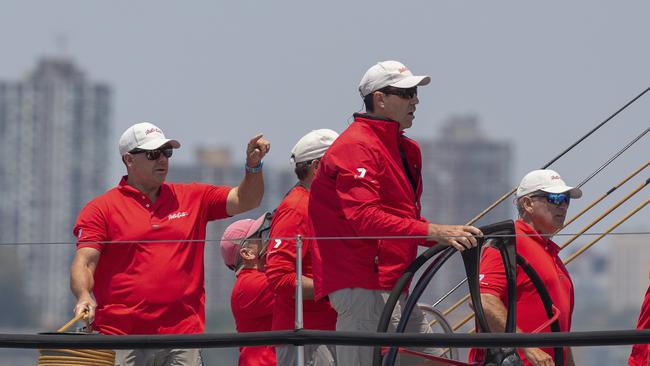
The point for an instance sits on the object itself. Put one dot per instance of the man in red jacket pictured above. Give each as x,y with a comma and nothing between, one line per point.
291,219
640,355
251,300
369,184
542,201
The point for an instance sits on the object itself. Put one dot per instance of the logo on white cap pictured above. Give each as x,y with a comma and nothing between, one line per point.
545,180
389,73
146,136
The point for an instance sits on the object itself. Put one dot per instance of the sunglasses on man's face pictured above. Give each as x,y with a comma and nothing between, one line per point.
154,154
556,198
403,93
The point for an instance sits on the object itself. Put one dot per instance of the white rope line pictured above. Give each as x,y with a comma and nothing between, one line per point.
175,241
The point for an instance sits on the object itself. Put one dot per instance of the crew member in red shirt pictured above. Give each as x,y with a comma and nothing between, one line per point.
641,352
369,184
542,202
290,220
151,282
251,301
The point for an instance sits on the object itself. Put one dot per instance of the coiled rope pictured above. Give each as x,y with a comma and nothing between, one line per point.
75,357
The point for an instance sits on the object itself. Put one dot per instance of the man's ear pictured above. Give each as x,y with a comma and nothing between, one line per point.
247,253
378,100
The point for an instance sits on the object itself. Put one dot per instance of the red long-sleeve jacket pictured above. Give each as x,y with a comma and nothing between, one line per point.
368,183
291,219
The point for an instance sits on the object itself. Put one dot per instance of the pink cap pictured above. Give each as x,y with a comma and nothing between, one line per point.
234,237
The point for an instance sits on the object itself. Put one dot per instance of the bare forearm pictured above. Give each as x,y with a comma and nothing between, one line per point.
307,288
81,279
495,312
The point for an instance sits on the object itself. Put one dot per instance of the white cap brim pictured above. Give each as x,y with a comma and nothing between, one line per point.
573,192
411,81
154,144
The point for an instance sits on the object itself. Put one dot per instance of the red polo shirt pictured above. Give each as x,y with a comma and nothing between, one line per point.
291,219
251,303
143,287
542,255
641,352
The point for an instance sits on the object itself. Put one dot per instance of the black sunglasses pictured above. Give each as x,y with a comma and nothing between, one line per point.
403,93
154,154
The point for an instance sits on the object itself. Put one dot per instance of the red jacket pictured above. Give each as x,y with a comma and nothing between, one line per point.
641,352
362,189
289,220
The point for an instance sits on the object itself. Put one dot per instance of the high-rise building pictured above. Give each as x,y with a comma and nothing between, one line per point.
214,166
54,129
629,263
464,171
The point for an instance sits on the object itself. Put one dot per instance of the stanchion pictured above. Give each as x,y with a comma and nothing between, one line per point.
300,350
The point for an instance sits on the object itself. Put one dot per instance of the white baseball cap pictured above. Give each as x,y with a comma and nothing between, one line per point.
545,180
389,73
313,145
146,136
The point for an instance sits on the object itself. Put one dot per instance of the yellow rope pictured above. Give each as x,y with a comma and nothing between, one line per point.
75,357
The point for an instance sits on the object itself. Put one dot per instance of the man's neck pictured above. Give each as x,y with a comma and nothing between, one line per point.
148,190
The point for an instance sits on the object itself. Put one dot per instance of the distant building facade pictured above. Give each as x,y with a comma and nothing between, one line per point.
215,166
54,139
464,171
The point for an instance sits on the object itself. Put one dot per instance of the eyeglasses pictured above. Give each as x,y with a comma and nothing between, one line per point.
556,198
403,93
154,154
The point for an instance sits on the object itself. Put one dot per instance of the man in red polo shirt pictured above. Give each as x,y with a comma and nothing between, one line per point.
369,185
291,219
151,282
542,202
251,300
640,355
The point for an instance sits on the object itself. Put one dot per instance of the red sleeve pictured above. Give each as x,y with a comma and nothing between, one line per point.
358,188
281,257
492,274
215,199
91,226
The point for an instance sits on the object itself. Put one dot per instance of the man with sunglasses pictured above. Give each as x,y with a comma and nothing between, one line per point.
290,220
368,185
542,202
151,282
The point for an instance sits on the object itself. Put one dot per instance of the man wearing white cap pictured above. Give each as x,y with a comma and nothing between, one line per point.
291,219
542,201
152,281
368,185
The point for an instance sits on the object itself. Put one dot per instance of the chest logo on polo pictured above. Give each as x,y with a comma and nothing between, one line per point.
277,243
177,215
362,173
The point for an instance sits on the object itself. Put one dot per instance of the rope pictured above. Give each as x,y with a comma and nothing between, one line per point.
176,241
75,357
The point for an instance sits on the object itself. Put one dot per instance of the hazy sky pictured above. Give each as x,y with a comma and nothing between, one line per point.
212,73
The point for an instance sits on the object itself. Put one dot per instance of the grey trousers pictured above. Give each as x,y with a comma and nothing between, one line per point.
158,357
359,311
315,355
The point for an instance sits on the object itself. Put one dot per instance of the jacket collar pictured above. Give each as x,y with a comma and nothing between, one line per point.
384,127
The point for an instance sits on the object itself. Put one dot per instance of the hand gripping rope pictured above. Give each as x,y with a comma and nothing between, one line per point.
501,236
